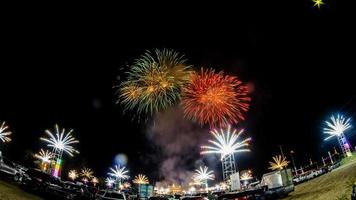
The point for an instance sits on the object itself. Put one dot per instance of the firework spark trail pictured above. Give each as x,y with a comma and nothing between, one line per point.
279,162
4,134
119,172
226,142
336,126
61,141
202,174
141,179
215,99
154,82
44,156
86,173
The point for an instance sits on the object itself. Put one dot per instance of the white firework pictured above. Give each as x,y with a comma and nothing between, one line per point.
119,173
226,143
44,156
61,141
4,133
336,126
109,181
202,174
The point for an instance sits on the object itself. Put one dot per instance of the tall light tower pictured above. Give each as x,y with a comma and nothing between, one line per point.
60,142
226,144
228,166
336,126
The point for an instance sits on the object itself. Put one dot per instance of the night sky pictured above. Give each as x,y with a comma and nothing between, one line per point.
63,68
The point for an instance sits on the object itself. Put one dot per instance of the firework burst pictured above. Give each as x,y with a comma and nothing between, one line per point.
86,173
247,175
109,182
44,156
279,162
226,142
215,99
118,172
72,174
202,175
141,179
4,133
61,141
154,82
336,126
94,180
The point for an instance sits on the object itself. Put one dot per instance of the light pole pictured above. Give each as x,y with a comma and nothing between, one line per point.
291,155
280,148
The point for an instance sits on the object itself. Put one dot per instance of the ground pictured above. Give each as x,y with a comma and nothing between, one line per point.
9,191
335,185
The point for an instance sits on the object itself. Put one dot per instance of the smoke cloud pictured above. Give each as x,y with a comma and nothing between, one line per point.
178,141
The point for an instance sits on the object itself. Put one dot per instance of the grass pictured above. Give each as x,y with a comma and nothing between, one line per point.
336,185
347,160
10,191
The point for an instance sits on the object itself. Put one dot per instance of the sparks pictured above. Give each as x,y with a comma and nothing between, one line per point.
279,162
118,173
202,175
4,133
109,182
86,173
226,143
61,141
154,82
44,156
336,126
72,174
318,3
95,181
141,179
215,99
247,175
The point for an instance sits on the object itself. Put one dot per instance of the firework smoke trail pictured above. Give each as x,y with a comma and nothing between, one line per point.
215,99
176,139
154,82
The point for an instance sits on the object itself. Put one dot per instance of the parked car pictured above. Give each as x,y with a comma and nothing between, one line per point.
353,195
36,180
158,198
8,168
108,194
80,191
254,194
58,190
193,198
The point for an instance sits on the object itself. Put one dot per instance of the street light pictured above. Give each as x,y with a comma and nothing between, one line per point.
291,155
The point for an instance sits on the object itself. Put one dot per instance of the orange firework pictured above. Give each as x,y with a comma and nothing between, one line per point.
215,99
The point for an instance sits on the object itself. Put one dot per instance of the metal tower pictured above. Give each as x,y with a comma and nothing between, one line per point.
228,166
344,145
57,162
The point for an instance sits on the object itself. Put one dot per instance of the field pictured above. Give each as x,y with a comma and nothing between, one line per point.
332,186
12,192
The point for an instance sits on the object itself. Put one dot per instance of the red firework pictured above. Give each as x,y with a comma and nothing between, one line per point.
215,99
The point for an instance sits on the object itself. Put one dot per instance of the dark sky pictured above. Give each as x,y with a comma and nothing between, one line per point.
61,68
